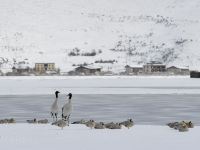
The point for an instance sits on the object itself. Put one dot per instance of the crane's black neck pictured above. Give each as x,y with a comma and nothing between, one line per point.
70,96
56,95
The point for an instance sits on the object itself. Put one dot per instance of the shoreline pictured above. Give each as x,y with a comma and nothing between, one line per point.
89,77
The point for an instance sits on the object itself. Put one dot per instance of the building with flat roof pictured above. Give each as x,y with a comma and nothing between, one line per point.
44,67
154,67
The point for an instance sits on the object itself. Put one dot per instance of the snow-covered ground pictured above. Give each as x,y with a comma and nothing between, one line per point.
99,85
79,137
21,136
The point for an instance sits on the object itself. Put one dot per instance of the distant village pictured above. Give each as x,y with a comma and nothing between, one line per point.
23,69
49,69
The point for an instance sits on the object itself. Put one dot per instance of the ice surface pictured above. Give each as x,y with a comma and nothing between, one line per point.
99,85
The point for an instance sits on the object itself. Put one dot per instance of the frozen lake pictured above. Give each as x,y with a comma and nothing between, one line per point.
99,85
148,100
151,109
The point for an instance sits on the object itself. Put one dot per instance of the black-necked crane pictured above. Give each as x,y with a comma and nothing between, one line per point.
67,109
54,107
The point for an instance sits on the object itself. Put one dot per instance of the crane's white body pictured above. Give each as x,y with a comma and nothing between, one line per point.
67,110
54,107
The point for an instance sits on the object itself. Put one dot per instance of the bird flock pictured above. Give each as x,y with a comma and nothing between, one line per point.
182,126
11,120
101,125
66,110
43,121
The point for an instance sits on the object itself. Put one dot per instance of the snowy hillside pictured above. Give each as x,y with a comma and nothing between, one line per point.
115,32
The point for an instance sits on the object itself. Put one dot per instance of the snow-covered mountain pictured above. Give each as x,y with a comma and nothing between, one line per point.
114,32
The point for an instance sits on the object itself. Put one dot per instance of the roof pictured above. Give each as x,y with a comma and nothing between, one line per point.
45,63
155,63
89,67
139,67
176,67
173,67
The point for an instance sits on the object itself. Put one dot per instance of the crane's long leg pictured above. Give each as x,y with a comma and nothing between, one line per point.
56,115
52,115
62,114
68,119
